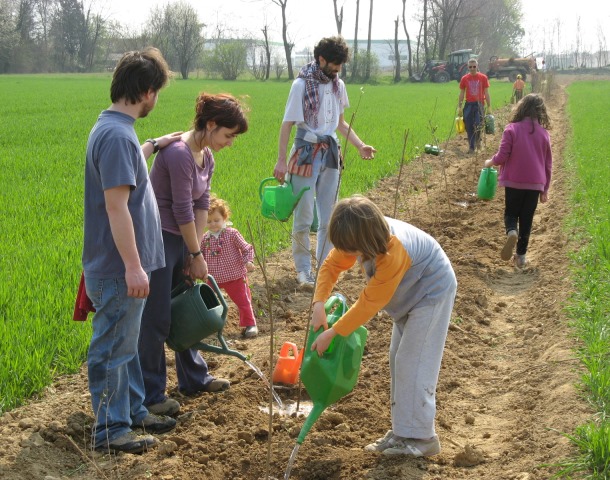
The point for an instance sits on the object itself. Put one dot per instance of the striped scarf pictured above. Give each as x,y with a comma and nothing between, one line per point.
312,75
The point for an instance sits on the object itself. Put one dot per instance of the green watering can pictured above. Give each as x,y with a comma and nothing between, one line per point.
198,311
488,181
333,375
490,124
278,200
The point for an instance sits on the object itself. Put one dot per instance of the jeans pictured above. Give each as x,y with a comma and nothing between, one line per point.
115,378
520,206
324,186
416,350
191,368
473,115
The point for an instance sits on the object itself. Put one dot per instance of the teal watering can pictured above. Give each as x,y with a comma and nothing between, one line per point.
488,182
330,377
198,312
278,201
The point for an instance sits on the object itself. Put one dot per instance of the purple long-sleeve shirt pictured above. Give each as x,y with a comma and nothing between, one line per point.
525,156
181,186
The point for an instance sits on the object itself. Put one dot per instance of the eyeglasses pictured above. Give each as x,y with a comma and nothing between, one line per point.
471,66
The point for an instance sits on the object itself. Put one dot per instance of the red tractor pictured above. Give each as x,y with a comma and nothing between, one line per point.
441,71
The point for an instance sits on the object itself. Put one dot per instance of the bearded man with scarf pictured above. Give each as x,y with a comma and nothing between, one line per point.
315,105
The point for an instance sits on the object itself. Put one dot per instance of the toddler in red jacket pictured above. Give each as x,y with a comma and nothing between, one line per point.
229,258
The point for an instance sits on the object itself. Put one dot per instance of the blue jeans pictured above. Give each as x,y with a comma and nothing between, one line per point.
115,379
473,115
324,186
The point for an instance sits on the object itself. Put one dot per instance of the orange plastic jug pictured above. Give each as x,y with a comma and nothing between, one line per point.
287,366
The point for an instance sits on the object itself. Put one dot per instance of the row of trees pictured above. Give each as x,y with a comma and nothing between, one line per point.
70,36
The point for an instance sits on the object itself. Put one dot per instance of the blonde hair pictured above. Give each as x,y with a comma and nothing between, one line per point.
220,206
357,224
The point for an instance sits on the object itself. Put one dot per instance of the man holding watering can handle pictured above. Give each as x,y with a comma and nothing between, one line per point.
315,104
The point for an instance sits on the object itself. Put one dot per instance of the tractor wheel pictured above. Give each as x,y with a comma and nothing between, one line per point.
442,77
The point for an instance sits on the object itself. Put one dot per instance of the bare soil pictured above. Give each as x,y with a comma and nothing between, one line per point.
507,385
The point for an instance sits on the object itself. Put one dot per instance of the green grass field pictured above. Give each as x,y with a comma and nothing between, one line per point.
589,308
45,124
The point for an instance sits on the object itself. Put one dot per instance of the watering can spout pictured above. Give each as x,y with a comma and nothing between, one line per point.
313,416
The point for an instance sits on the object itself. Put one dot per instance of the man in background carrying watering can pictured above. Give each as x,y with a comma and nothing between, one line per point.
315,104
475,86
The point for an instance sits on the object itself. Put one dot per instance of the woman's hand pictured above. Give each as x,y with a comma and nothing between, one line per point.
544,197
367,152
322,343
197,268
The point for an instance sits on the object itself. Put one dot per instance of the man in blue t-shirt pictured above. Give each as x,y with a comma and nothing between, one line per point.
122,245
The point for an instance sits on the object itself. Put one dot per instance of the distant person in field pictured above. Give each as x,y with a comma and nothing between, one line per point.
181,177
410,277
526,162
316,104
229,258
518,88
474,86
122,246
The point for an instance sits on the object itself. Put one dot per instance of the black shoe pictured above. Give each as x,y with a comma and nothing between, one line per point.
131,442
156,423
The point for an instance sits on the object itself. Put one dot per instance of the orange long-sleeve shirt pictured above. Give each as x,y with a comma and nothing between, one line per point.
390,269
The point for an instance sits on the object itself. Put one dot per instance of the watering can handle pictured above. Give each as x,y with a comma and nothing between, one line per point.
286,347
333,300
260,188
216,289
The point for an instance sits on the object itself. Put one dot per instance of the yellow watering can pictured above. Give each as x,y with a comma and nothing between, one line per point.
460,127
278,200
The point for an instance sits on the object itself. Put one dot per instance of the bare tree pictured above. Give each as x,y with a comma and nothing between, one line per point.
288,46
367,72
355,58
404,25
396,51
339,22
265,31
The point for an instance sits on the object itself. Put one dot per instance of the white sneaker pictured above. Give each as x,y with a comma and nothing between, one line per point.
382,443
305,280
414,447
251,331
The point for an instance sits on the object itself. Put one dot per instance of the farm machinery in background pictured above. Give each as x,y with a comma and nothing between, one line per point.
511,67
441,71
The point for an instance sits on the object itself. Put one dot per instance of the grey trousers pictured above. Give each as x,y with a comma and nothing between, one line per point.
416,351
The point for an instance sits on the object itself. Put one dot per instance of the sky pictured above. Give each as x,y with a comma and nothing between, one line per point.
310,20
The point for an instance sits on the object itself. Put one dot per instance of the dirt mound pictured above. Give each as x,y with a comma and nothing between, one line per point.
506,384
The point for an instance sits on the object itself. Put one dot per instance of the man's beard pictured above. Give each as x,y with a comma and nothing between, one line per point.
328,72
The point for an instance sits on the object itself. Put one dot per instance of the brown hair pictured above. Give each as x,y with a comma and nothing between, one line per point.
332,49
531,106
222,109
357,224
138,72
220,206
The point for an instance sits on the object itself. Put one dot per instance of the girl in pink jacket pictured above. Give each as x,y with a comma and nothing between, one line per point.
525,161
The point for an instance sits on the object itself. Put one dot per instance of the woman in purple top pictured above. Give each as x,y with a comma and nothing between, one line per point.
525,161
181,177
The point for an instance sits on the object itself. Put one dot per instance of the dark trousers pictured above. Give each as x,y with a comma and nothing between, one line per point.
191,368
473,115
519,208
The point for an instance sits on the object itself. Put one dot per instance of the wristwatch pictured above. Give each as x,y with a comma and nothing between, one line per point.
154,143
195,254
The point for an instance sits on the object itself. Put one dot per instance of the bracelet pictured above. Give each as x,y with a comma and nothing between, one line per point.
154,143
196,254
